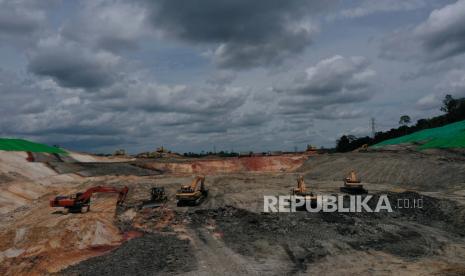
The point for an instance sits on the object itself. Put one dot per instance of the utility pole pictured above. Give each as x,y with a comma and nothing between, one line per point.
373,129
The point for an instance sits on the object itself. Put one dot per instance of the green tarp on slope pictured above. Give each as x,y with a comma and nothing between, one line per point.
24,145
448,136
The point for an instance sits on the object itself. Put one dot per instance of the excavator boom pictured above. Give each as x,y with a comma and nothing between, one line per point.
78,201
301,190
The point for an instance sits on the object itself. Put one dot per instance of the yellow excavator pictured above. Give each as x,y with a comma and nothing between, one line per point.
301,190
363,148
192,194
353,185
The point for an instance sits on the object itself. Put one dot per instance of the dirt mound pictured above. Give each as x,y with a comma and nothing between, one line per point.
147,255
407,169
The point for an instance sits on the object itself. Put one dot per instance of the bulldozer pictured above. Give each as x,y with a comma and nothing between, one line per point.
192,194
353,185
79,202
157,198
301,190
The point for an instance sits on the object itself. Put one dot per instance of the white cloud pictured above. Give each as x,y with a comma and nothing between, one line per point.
440,36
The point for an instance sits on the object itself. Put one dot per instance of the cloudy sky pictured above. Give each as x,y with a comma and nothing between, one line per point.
239,75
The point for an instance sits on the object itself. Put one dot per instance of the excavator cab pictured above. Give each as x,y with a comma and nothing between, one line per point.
353,184
187,189
192,194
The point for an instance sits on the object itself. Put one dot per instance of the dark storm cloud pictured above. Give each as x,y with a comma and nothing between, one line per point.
72,65
22,20
27,24
110,25
250,33
22,17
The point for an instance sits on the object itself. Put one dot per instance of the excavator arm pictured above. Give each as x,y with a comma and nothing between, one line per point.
78,201
301,189
301,184
352,177
122,193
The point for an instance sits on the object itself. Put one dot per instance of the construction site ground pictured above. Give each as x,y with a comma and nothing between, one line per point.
228,234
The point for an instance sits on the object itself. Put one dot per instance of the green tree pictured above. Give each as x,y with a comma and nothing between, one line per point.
448,104
404,120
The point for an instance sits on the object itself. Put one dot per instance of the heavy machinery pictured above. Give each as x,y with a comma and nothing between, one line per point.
192,194
301,190
157,198
363,148
311,149
79,202
353,185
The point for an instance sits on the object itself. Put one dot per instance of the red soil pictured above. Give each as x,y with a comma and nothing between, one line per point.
282,163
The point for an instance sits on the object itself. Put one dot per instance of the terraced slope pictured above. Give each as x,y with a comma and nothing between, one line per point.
405,169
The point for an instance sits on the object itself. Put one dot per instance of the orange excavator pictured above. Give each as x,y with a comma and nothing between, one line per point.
78,202
192,194
353,184
301,190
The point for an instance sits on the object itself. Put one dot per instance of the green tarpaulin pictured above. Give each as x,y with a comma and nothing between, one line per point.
448,136
24,145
